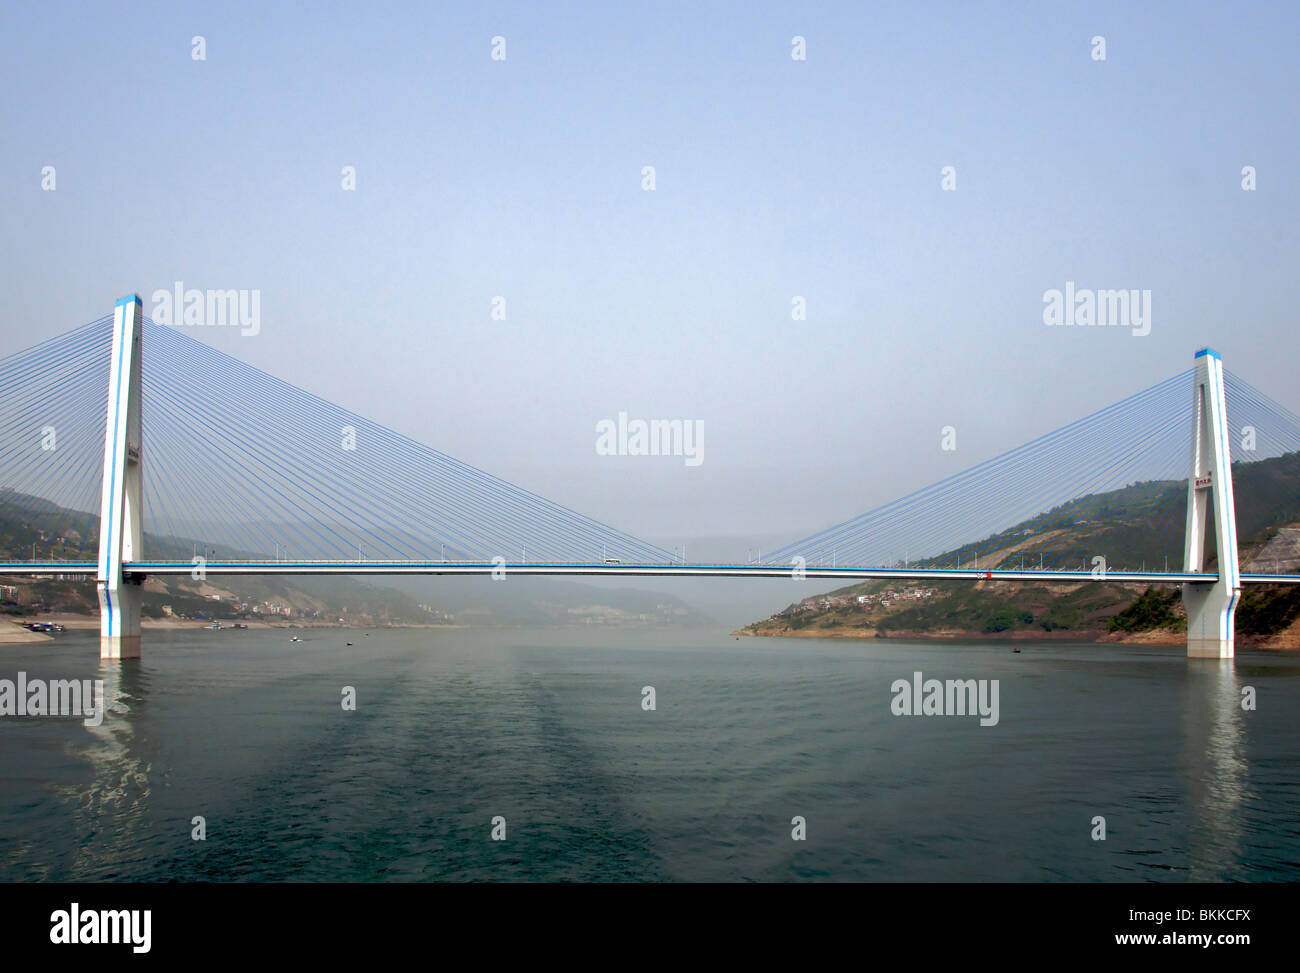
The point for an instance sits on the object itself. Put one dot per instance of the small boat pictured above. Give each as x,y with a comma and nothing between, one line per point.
295,639
1016,649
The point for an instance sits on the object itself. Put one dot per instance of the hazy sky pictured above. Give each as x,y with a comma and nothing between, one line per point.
775,178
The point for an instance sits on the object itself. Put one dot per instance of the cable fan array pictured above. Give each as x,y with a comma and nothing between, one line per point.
239,463
1112,483
52,413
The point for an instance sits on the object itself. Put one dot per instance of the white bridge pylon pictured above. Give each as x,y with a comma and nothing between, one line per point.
1211,607
121,533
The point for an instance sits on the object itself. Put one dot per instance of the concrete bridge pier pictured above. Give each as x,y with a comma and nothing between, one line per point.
1210,606
121,532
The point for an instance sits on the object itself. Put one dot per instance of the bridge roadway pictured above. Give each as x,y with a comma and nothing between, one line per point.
649,569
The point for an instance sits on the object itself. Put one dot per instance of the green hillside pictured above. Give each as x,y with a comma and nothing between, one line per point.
32,528
1139,526
1135,527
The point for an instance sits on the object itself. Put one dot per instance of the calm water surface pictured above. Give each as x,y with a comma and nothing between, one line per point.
547,730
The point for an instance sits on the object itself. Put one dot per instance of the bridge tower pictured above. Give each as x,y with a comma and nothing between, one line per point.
1210,607
121,533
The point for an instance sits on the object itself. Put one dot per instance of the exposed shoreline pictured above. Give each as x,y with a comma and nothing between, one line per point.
13,630
1288,640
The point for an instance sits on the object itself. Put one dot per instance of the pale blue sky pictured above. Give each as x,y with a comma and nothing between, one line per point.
775,178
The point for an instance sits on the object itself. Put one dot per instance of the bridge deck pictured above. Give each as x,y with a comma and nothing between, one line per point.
722,570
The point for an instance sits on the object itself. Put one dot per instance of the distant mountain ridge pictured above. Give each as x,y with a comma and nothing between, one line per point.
35,528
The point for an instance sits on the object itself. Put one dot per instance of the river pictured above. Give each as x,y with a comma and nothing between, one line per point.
546,740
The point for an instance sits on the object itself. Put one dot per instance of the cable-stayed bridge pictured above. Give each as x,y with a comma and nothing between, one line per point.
202,465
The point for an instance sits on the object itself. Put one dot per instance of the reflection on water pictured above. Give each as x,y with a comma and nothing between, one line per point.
119,786
1217,771
453,728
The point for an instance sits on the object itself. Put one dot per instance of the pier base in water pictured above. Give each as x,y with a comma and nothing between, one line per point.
119,621
1210,610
